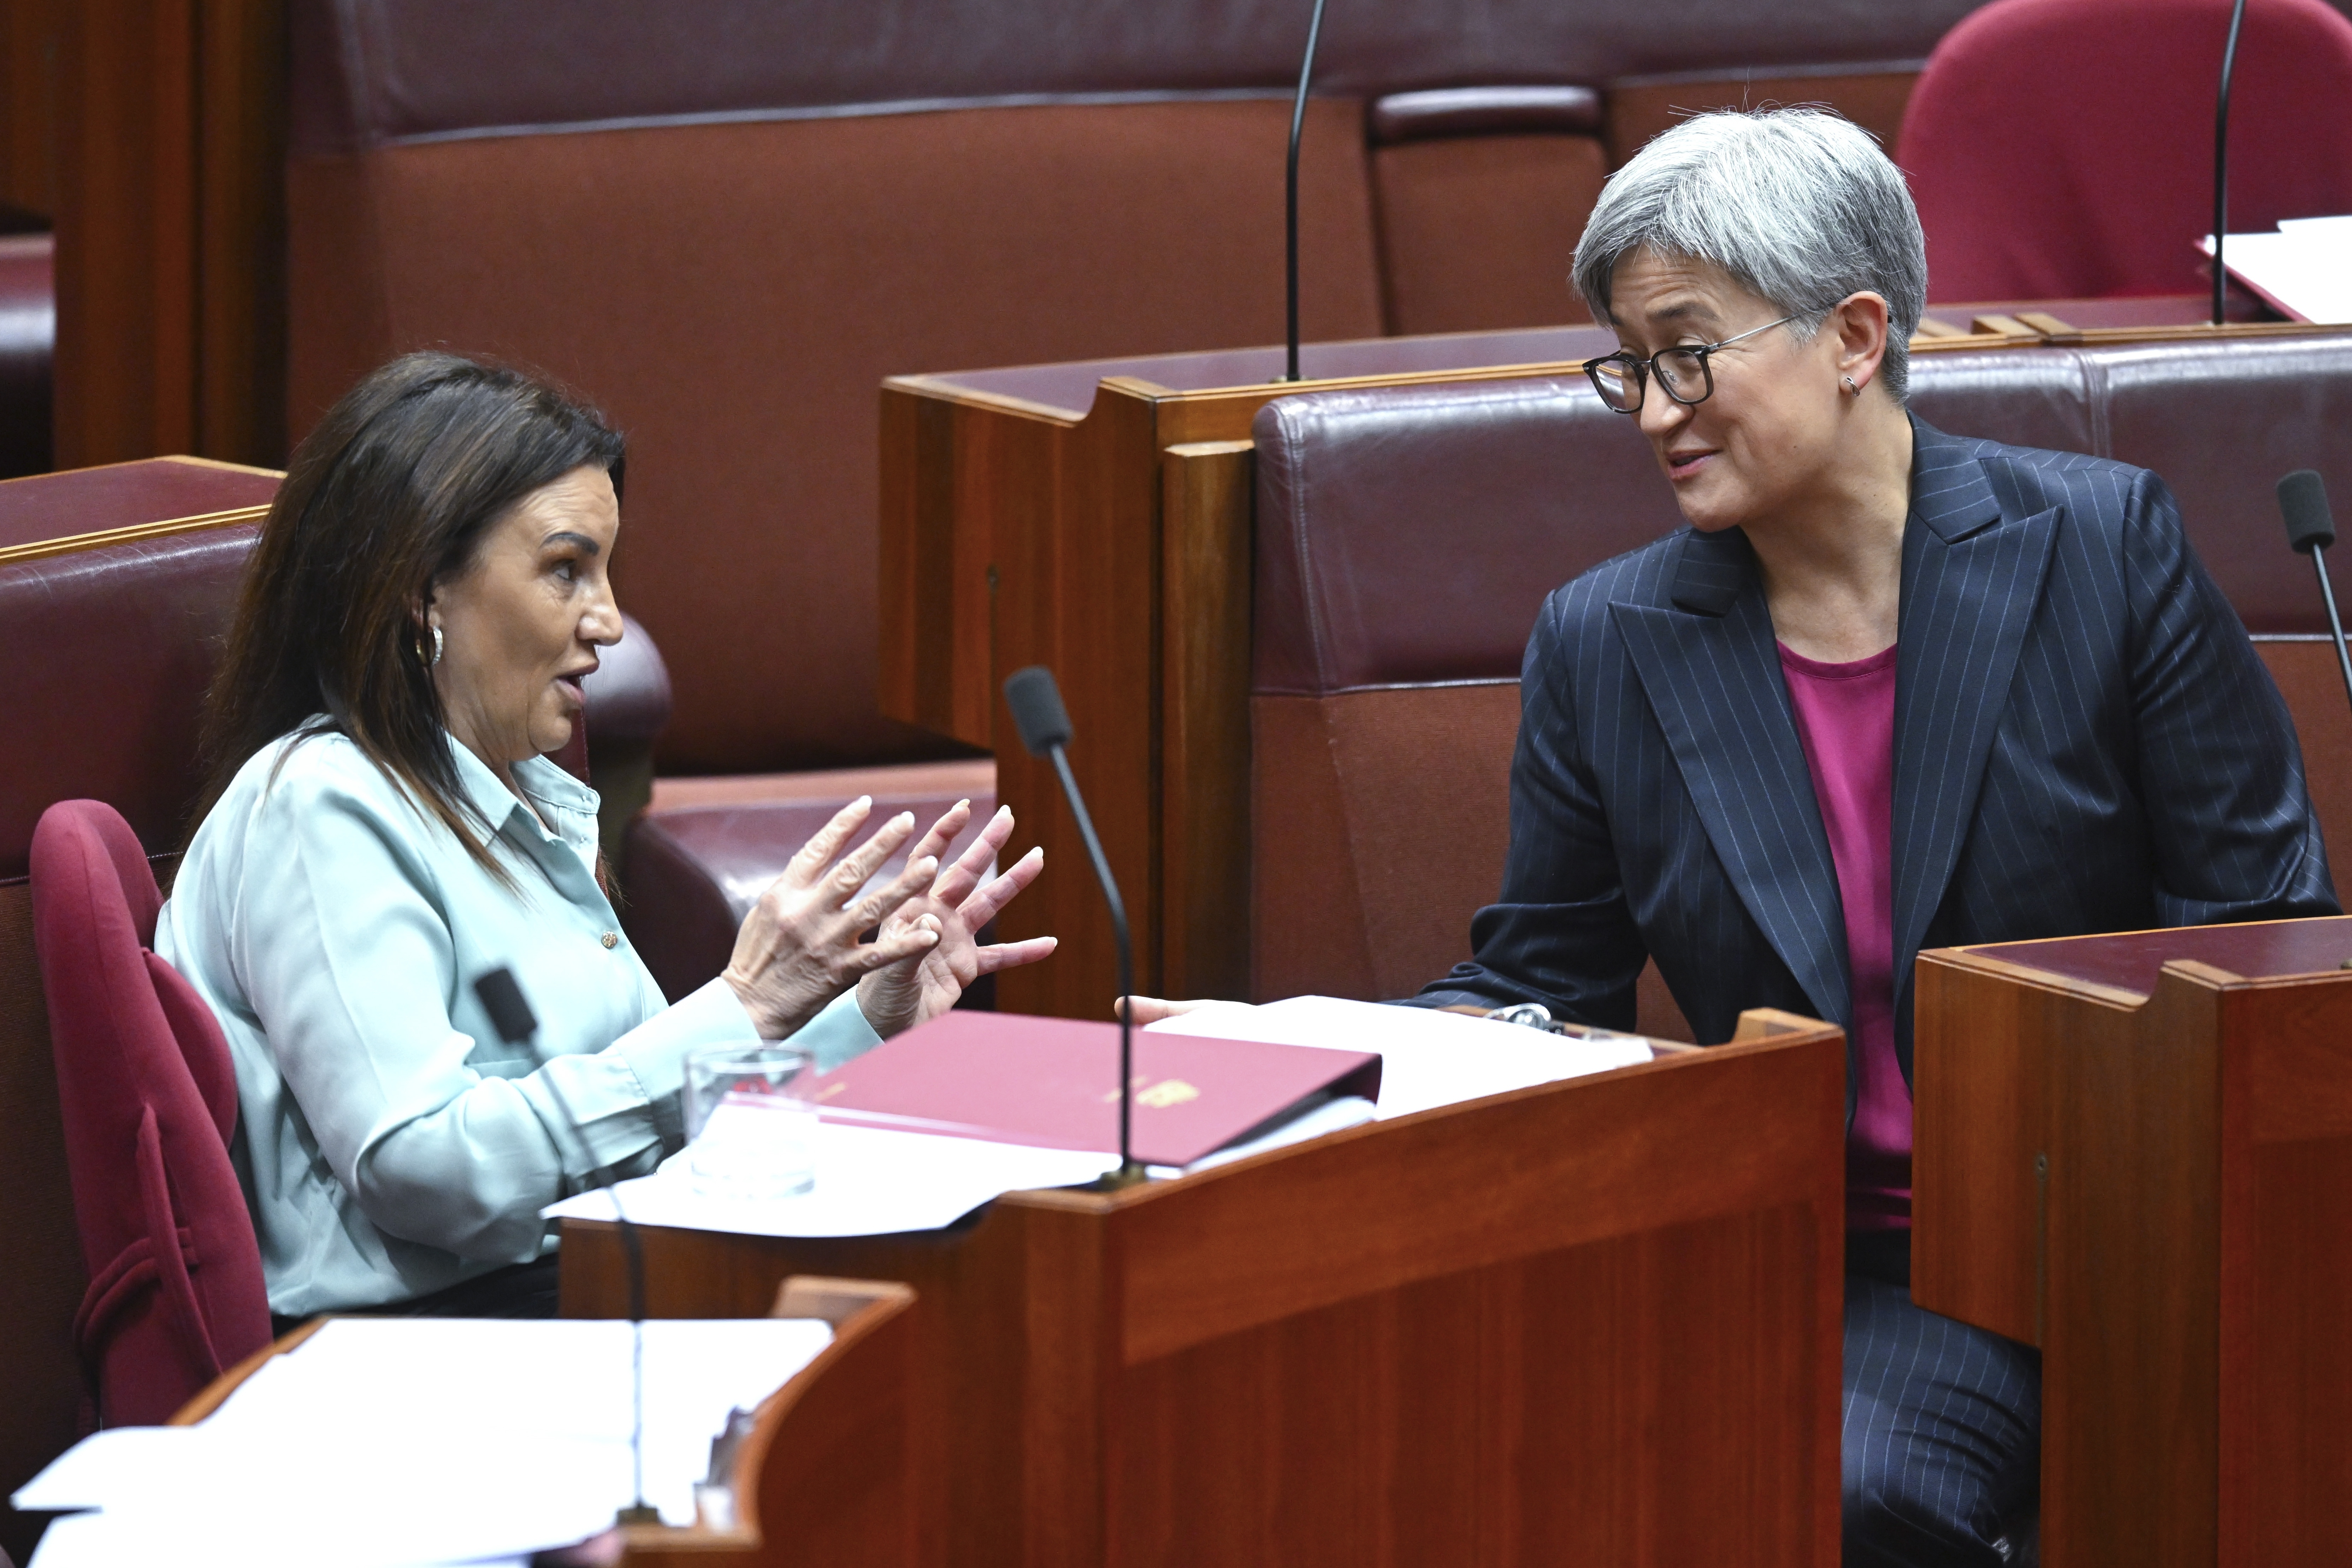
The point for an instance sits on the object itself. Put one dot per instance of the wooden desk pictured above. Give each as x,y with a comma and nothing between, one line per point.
1096,517
2135,1152
1593,1322
822,1478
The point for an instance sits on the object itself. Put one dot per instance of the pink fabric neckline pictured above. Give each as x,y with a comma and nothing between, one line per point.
1845,721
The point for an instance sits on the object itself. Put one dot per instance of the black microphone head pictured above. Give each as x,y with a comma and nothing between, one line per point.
503,1000
1037,711
2304,500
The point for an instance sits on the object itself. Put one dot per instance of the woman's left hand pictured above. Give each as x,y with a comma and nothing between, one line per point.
918,989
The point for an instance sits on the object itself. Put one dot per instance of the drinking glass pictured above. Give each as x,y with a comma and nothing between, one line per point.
750,1135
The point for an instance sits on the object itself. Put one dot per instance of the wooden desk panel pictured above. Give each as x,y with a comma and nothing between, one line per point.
1530,1329
2156,1190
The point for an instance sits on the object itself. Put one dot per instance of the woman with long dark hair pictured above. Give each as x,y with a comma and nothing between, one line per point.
381,828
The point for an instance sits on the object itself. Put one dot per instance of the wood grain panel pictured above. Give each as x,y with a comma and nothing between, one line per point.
2296,1469
170,227
2187,1244
966,1327
1334,1437
2130,1432
1978,1147
1647,1364
1077,588
2286,1272
1206,510
1229,1251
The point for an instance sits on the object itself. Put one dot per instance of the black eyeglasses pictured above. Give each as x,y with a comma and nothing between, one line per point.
1682,371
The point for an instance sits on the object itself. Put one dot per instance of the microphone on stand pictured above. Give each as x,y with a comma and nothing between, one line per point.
1045,726
502,999
2222,172
2311,528
1299,124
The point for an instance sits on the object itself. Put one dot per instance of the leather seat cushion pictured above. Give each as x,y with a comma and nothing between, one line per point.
706,849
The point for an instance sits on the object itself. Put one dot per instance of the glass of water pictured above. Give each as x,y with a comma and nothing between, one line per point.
749,1134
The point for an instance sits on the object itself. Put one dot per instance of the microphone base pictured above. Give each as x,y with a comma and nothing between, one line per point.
1131,1175
638,1513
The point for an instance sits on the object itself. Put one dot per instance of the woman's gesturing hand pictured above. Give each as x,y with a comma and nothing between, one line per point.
920,988
798,948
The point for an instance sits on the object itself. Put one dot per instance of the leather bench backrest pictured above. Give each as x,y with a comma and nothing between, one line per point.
727,220
1407,538
109,647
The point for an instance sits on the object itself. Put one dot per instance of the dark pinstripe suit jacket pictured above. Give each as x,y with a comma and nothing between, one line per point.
2085,741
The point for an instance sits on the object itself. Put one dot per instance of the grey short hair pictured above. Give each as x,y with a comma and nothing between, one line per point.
1797,204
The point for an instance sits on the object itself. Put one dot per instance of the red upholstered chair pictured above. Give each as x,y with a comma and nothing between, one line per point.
150,1103
2063,149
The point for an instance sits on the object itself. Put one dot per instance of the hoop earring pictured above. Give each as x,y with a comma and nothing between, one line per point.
1850,386
434,657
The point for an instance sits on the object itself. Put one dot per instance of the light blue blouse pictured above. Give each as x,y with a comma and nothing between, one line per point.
390,1142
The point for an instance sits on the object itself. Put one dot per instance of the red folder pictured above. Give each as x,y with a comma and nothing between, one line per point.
1054,1083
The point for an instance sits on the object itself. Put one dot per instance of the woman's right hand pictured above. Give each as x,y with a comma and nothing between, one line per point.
799,948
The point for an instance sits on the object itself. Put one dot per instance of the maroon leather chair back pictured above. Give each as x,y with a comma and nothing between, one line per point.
148,1096
1406,540
116,584
2063,149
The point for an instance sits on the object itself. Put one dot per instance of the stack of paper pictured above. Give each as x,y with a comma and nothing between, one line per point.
2304,271
870,1181
395,1441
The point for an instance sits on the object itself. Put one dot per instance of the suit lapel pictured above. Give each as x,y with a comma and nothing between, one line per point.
1970,584
1711,672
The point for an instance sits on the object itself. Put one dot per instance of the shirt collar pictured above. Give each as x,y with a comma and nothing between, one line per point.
568,806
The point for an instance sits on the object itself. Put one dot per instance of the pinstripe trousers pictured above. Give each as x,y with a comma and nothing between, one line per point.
1941,1448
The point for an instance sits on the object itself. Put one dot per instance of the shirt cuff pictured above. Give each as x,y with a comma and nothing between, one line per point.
656,1050
839,1034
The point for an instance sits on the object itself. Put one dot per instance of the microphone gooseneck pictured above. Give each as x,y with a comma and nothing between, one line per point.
2221,165
510,1014
1290,236
1044,726
2311,528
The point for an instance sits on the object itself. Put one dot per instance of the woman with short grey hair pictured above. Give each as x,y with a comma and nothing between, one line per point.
1891,689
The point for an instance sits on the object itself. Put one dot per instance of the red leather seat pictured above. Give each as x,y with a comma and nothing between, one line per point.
149,1098
2063,149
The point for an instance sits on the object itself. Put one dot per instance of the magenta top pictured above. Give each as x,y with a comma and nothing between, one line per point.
1845,718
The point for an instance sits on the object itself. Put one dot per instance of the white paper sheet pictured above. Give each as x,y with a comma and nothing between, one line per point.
869,1182
385,1442
2304,270
1428,1058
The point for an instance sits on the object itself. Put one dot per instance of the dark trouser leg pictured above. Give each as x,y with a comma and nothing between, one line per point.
520,1290
1942,1440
